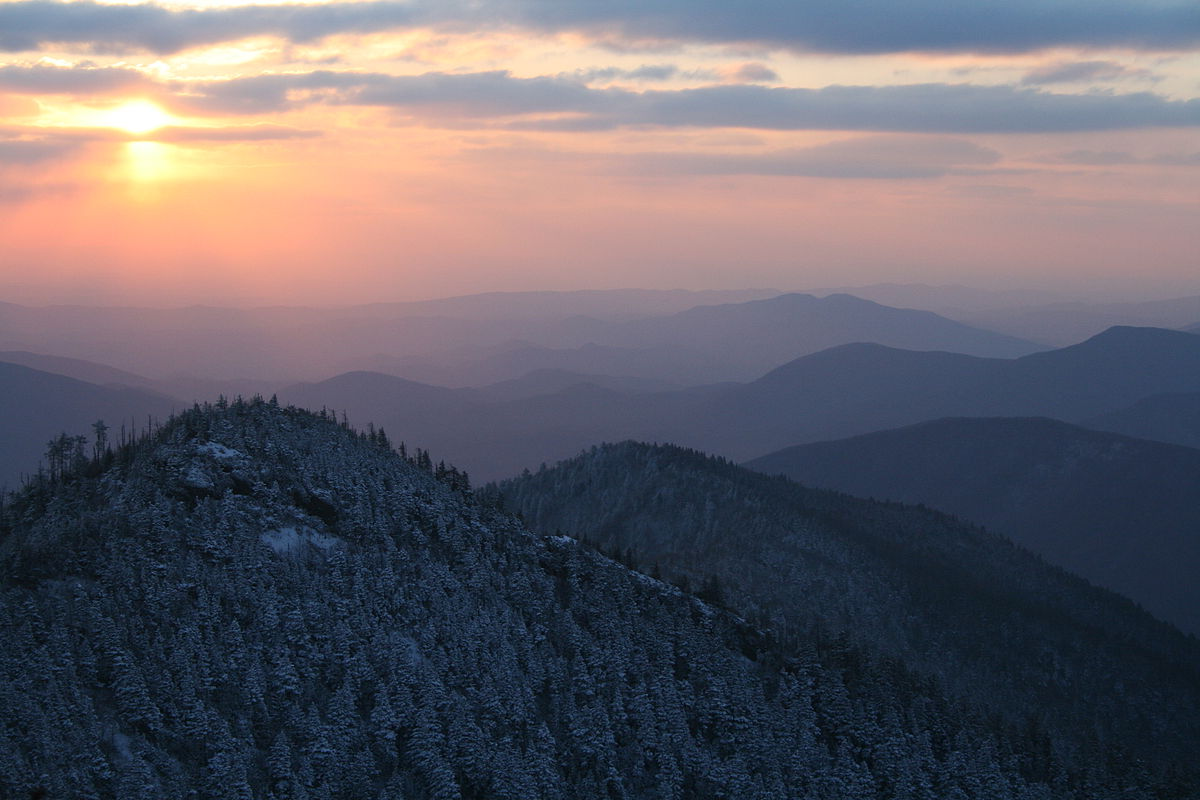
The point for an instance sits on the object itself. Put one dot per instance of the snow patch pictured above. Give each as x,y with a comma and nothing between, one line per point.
197,478
121,744
219,451
287,540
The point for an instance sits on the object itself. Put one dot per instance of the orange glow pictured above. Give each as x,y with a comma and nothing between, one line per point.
137,117
148,161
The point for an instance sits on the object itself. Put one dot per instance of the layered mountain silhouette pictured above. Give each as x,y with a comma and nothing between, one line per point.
37,406
1065,323
1014,637
79,369
750,338
551,381
258,602
1119,511
953,301
843,391
1171,418
482,339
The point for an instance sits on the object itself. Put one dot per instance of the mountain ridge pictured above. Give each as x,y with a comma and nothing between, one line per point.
1114,509
948,598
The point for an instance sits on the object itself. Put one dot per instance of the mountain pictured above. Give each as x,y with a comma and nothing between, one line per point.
1193,328
1060,324
704,344
552,381
78,369
1171,418
488,437
1121,512
762,334
598,303
684,365
482,339
951,301
291,344
1017,639
843,391
256,602
861,388
37,406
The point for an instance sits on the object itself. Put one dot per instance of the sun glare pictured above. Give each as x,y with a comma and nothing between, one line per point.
137,117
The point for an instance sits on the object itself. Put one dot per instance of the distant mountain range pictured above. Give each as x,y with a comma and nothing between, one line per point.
1171,418
484,339
37,406
864,387
839,392
842,391
89,371
1123,513
552,381
952,300
762,334
1058,324
1001,629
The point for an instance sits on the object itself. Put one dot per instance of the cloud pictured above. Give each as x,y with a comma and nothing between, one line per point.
29,145
1112,158
875,26
117,28
870,157
1083,72
646,72
47,79
232,133
865,26
750,73
932,108
561,104
477,94
28,152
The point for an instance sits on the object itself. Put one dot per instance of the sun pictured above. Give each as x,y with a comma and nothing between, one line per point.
137,117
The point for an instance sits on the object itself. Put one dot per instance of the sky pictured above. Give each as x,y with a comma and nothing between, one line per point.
340,152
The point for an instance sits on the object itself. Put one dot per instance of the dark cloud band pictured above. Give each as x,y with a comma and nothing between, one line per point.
105,28
859,26
44,79
560,104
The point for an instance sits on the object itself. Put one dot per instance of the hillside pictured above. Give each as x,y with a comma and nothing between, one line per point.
1120,512
1009,634
256,602
1171,418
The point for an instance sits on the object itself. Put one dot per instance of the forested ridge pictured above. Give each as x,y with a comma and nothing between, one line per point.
1082,672
256,602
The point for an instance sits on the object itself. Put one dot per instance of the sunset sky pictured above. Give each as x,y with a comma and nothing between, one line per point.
339,152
